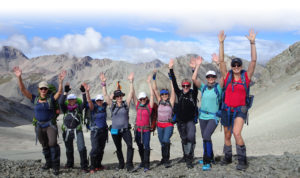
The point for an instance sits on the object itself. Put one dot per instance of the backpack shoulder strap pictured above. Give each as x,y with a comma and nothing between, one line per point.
229,80
203,89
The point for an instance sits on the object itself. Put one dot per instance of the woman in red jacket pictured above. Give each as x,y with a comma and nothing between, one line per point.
235,106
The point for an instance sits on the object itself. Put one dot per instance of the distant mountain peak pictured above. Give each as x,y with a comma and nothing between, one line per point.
9,52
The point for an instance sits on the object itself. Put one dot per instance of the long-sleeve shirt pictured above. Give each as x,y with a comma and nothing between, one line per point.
187,102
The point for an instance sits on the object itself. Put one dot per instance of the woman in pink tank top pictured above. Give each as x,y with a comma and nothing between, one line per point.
164,119
144,107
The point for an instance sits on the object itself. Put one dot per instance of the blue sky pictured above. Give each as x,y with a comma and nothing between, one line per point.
139,31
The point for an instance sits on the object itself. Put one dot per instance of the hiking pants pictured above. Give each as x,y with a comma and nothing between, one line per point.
47,136
70,149
98,141
164,134
187,132
143,142
127,137
207,128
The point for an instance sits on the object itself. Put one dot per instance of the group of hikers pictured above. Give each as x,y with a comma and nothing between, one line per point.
226,101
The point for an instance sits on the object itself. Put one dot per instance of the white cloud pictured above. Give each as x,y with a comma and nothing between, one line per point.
77,44
133,49
153,29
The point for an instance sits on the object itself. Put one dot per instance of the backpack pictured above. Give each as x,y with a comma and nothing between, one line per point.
191,99
114,105
53,104
153,116
88,115
76,121
215,90
249,98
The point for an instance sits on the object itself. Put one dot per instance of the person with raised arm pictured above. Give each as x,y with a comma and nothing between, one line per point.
165,124
120,127
45,114
144,106
210,101
237,100
186,115
99,129
72,108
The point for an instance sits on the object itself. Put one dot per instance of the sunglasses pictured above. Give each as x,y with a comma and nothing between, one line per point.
211,76
164,94
141,99
118,96
186,86
98,100
236,65
43,88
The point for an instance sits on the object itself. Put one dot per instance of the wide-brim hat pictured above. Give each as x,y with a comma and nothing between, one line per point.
118,93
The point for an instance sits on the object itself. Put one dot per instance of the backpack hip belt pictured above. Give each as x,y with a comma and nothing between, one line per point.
210,113
147,127
42,125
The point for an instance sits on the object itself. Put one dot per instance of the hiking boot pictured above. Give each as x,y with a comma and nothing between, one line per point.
56,172
206,167
189,151
67,166
121,160
183,159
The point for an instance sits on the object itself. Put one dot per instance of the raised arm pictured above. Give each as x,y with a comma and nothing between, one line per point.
131,94
194,77
83,91
156,92
151,91
252,64
172,96
104,91
176,88
223,68
60,85
215,59
62,99
25,92
88,96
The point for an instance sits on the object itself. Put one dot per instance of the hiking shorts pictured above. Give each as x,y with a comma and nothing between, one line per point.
229,121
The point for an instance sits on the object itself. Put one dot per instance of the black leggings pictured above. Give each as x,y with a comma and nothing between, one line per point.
207,128
127,137
187,131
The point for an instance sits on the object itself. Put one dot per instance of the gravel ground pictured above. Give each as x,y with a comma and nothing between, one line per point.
286,165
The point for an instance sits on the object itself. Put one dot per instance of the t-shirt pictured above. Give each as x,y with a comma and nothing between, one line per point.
236,96
99,115
120,117
209,102
143,116
42,111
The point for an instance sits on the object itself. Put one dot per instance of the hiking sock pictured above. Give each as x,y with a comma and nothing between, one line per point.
242,158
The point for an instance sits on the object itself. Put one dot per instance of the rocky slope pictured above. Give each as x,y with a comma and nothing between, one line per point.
11,113
286,165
